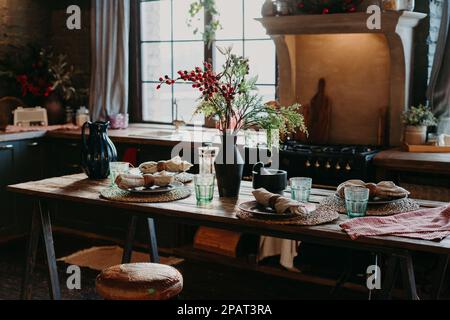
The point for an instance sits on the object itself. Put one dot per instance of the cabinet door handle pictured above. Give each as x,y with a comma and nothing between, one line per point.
7,147
33,144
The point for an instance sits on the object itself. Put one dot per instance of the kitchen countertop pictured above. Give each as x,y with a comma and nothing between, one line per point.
142,134
164,135
5,137
396,159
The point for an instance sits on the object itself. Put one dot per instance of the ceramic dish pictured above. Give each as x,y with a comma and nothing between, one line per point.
155,189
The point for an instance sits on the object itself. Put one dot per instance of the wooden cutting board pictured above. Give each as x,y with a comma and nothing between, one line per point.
319,118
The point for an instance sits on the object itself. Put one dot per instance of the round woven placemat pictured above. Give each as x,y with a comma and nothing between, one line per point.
116,194
323,214
389,209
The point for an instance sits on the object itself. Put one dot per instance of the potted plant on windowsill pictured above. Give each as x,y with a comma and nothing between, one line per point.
416,121
232,98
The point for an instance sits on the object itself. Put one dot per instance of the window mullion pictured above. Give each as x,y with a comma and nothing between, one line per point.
208,49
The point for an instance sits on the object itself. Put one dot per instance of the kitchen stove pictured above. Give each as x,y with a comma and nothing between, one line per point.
328,165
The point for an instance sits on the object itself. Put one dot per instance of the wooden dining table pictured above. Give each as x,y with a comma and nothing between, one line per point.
221,214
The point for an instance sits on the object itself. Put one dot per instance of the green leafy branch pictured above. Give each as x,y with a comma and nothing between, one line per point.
211,28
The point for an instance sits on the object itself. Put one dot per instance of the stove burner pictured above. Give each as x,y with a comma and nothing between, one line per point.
328,164
332,149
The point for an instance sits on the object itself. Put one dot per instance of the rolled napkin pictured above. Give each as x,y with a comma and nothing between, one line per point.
281,204
162,179
382,190
127,181
174,165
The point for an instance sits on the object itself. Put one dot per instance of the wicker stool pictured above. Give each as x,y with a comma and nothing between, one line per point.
139,281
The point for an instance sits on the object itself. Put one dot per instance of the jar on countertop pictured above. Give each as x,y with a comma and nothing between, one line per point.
82,116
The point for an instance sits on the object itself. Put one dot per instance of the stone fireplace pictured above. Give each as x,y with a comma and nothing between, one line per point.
367,72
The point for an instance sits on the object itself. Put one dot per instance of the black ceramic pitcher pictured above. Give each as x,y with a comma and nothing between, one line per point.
97,150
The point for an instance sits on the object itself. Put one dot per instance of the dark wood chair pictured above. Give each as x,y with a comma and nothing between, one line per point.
139,281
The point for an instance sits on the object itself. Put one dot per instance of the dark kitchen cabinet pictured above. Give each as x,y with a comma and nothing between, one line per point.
62,157
20,161
7,216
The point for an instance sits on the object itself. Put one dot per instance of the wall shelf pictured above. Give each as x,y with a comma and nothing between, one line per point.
338,23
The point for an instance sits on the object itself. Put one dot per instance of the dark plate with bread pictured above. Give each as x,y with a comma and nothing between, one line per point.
155,189
382,193
259,211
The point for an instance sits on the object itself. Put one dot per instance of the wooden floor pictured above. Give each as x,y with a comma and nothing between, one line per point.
203,280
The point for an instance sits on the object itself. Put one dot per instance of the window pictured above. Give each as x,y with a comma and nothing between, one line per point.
168,45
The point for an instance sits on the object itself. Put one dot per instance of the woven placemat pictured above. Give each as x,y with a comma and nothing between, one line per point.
389,209
323,214
116,194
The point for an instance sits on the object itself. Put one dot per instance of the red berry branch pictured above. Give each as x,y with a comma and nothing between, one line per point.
205,80
232,98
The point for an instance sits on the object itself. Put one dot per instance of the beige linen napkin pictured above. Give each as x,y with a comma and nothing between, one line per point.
279,203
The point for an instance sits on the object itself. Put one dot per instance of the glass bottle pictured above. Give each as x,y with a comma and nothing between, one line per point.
207,156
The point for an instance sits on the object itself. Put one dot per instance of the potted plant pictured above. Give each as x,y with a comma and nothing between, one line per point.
231,97
416,121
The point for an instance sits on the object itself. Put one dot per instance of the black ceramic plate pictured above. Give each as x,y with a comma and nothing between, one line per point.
376,201
260,211
156,190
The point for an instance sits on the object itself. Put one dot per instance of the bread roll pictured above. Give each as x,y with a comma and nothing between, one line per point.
149,167
161,166
372,189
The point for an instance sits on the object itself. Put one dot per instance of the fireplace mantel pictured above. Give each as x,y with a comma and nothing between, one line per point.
396,29
338,23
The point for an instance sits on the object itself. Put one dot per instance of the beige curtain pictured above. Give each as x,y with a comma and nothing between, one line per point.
110,23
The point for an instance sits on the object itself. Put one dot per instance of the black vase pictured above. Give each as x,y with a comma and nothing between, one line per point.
229,167
97,150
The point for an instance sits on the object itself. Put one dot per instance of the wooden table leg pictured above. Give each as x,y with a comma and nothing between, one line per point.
128,247
439,276
55,291
409,281
40,222
346,273
389,277
30,262
154,256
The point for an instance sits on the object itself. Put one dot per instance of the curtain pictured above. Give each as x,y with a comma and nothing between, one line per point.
439,89
110,23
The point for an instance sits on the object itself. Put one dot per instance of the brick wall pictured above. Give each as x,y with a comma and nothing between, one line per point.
43,23
22,22
75,43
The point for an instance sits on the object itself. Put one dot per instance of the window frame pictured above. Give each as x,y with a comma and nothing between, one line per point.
136,81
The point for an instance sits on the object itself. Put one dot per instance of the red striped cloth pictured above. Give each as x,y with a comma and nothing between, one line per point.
427,224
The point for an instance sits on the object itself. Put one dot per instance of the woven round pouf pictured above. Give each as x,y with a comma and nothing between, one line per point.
139,281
